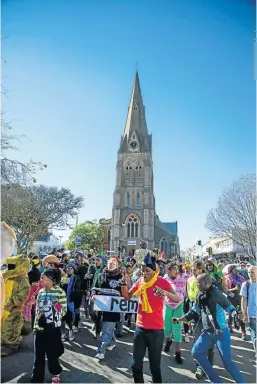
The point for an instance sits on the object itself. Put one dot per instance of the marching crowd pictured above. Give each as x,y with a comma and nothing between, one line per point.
175,300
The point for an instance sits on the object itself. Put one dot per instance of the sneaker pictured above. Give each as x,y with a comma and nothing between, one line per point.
199,373
178,358
63,337
187,339
100,356
71,336
111,347
56,379
76,329
167,346
244,336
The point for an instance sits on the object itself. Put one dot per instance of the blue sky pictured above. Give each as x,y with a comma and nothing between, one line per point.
69,74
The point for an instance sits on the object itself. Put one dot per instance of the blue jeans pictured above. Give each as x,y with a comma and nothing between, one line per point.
153,340
252,326
120,323
107,337
222,340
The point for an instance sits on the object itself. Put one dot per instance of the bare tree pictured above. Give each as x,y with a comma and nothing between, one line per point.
235,214
33,211
14,171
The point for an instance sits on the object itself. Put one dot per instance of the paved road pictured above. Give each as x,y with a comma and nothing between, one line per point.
80,366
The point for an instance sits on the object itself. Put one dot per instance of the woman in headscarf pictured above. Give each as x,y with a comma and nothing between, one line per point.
109,279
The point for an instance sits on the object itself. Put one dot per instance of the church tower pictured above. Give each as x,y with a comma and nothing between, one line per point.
133,213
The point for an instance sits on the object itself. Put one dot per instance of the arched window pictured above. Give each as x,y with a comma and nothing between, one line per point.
163,245
135,107
127,199
133,227
128,174
139,174
136,230
128,230
138,202
109,238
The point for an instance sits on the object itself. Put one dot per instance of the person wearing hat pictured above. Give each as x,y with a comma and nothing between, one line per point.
109,279
34,274
210,305
51,306
151,289
243,270
93,272
216,274
71,284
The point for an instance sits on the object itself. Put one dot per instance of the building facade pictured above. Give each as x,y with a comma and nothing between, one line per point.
133,211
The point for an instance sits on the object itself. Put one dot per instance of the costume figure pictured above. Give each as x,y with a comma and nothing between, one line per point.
16,293
8,240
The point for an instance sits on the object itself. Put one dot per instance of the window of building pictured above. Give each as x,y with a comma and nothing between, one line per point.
139,174
138,202
163,245
109,239
127,199
132,227
128,174
135,107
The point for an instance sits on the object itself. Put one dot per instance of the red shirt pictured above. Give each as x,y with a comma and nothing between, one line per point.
152,320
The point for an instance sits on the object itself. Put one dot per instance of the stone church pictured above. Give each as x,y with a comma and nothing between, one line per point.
133,212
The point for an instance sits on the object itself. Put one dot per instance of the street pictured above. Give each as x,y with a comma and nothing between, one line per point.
80,366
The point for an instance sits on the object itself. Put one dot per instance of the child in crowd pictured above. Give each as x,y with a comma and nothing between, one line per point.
51,306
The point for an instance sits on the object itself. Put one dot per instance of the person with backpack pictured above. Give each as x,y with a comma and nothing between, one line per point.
210,305
248,302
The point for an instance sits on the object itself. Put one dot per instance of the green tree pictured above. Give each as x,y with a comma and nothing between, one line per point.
33,211
91,235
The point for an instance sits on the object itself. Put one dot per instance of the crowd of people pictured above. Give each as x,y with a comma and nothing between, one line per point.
175,299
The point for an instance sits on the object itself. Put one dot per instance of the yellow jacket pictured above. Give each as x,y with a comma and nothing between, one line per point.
192,288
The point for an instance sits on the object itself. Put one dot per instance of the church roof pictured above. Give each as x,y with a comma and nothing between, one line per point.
136,121
172,227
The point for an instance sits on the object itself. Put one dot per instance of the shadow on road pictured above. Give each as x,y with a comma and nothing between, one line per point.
80,366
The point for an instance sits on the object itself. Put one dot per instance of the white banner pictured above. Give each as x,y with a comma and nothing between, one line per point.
115,304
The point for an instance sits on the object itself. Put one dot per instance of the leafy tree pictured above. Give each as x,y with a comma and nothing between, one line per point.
33,211
91,235
235,214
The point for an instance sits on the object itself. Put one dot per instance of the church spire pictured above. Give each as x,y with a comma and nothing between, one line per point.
136,121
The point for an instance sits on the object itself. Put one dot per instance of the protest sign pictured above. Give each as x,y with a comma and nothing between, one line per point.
115,304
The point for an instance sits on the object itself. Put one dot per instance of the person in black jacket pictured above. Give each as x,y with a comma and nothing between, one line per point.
210,304
82,270
71,285
34,274
110,278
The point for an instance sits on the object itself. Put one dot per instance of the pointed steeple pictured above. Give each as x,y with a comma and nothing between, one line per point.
136,122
